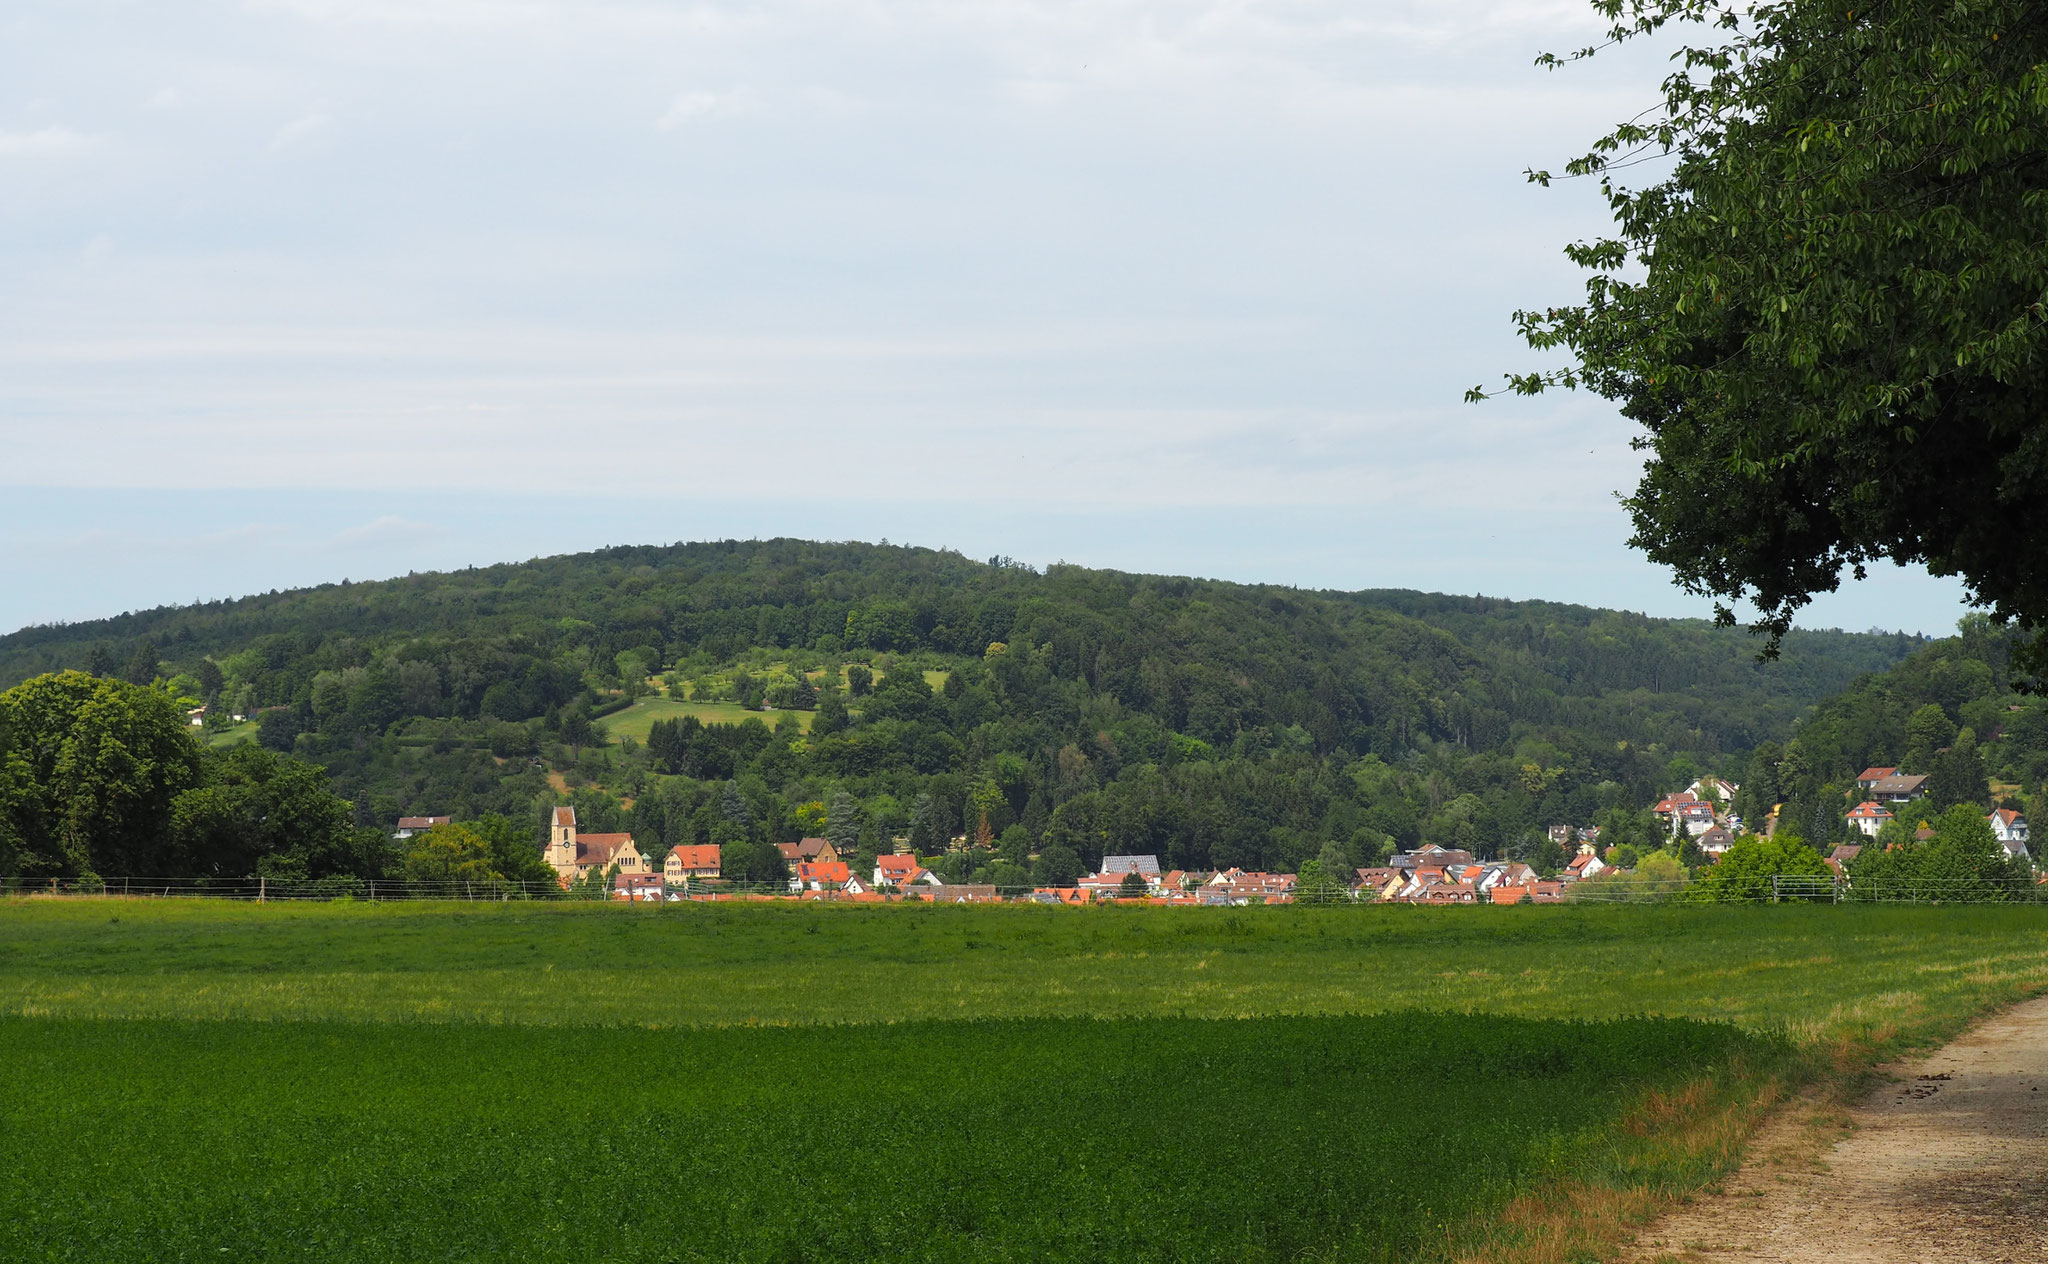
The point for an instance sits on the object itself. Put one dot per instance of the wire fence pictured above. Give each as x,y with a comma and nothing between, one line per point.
1772,889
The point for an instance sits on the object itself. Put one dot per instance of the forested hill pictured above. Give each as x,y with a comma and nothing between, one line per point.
1951,711
1209,721
1369,671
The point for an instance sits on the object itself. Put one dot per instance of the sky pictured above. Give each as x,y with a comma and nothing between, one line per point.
300,290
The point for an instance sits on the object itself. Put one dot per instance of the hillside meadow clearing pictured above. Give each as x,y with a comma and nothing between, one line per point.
636,720
943,1083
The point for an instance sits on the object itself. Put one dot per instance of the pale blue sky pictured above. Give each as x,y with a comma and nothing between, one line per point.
299,290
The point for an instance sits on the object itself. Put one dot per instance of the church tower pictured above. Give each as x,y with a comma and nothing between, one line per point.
562,843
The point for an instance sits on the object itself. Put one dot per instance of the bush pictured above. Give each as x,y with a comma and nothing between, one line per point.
1962,861
1746,869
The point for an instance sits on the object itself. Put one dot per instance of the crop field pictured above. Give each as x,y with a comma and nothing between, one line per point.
356,1082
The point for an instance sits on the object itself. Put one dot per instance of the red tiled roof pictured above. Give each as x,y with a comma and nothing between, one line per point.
695,857
823,871
422,822
565,816
893,866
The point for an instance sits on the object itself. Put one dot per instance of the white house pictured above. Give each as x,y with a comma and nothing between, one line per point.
2010,829
1868,817
1583,867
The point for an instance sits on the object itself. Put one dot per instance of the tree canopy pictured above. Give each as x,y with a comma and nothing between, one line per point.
1066,713
1830,313
89,768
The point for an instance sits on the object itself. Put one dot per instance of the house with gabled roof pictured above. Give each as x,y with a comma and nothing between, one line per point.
1715,841
1714,788
900,871
1429,855
1059,895
808,851
410,825
1898,788
1451,893
1868,817
1685,812
1583,867
1146,867
1377,884
1513,873
640,887
819,876
685,863
2010,829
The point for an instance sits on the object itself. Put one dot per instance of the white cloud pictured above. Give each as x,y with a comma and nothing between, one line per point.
45,140
164,99
299,130
686,107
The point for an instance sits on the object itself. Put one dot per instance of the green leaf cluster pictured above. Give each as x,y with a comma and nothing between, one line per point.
1828,306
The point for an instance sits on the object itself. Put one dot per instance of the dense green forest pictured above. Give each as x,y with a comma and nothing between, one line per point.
882,691
1952,710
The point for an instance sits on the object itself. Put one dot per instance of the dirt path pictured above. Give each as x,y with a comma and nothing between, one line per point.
1947,1162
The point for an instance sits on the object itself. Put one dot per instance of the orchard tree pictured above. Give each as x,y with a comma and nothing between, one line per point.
1828,309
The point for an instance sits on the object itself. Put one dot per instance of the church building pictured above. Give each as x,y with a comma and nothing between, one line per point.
573,855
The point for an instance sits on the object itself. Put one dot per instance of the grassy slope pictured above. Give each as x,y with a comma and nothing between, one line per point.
233,733
591,1082
636,720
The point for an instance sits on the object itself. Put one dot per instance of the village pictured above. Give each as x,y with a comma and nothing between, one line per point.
1696,818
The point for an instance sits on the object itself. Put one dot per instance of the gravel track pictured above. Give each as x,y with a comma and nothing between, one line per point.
1948,1161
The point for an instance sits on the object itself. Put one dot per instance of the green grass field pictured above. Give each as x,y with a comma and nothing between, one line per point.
636,720
354,1082
233,733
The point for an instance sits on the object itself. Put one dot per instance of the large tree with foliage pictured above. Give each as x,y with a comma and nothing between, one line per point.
1830,313
1745,870
89,768
1962,860
258,811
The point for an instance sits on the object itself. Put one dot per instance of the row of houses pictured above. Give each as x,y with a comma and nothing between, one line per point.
1888,791
1438,875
